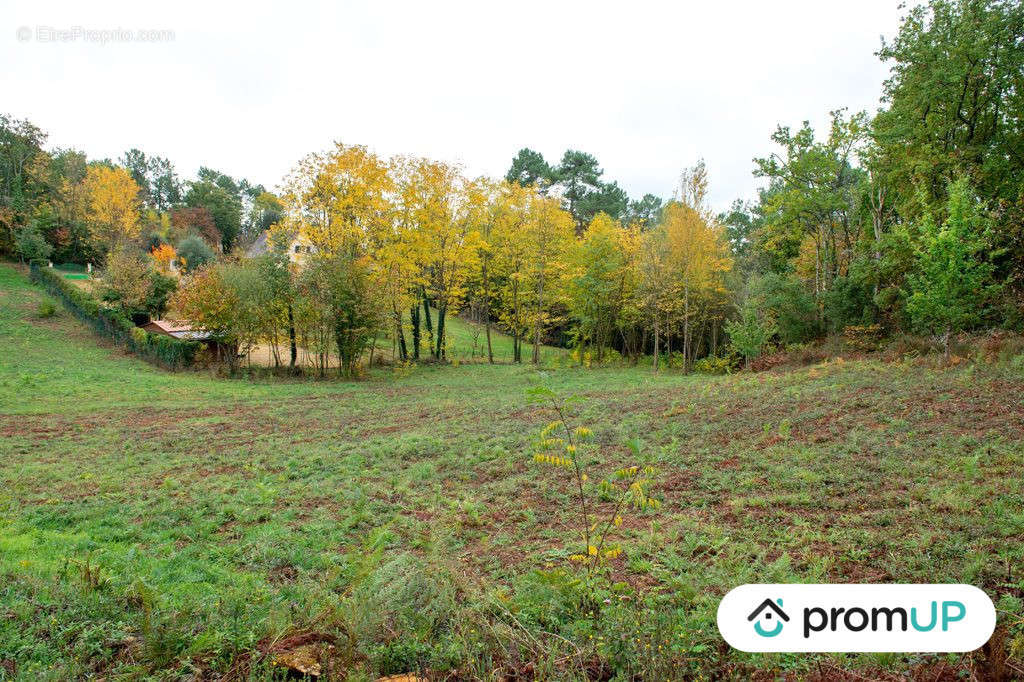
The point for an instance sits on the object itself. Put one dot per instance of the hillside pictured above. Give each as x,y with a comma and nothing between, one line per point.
164,525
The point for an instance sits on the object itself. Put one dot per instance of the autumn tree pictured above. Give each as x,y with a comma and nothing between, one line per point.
339,199
655,284
113,214
549,235
597,283
698,252
197,220
438,203
509,256
164,256
210,302
224,208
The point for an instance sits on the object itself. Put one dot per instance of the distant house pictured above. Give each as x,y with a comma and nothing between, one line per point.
183,331
178,330
298,248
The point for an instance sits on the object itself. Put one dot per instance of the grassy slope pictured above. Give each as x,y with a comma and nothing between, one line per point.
234,510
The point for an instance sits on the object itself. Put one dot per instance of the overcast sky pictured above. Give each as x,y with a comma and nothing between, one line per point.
248,89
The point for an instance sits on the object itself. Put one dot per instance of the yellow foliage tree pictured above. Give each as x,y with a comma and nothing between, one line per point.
435,201
550,233
113,211
698,252
339,200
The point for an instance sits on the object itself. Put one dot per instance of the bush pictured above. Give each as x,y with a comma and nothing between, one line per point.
749,334
194,253
31,245
713,365
865,338
848,302
46,309
785,301
165,351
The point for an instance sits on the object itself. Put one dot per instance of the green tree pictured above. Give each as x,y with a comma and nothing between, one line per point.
749,333
952,281
134,161
224,207
785,302
954,104
30,244
579,176
194,253
343,290
607,198
810,206
530,168
21,145
164,186
645,212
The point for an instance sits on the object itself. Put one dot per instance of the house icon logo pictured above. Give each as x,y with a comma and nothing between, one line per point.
767,612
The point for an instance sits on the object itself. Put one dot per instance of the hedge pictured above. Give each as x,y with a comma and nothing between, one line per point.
159,349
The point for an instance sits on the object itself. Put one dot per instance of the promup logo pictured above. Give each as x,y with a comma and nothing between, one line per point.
766,611
896,618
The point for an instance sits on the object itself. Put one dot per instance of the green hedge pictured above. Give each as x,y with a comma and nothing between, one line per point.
159,349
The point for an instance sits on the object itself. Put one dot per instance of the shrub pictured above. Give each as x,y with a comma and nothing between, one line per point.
848,302
31,245
567,449
194,253
749,334
783,300
865,338
952,281
713,364
165,351
46,309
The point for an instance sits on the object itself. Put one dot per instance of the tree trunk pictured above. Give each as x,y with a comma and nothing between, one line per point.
877,220
414,317
403,350
655,344
441,312
291,339
487,313
537,322
686,328
429,322
517,344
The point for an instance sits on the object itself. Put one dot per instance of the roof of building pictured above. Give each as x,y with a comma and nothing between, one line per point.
258,247
177,329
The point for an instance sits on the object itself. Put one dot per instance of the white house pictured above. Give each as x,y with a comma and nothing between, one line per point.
298,248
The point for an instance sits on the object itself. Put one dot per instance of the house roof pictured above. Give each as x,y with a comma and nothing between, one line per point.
258,247
766,604
179,330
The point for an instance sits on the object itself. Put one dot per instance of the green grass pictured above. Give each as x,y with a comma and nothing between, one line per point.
401,519
467,342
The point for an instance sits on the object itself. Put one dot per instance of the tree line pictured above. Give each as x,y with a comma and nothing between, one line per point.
399,245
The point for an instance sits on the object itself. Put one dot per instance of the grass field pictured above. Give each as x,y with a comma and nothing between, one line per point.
179,526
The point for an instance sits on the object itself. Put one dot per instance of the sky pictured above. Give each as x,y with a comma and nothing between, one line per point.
250,88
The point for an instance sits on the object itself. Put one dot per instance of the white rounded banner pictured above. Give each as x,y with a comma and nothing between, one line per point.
891,618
